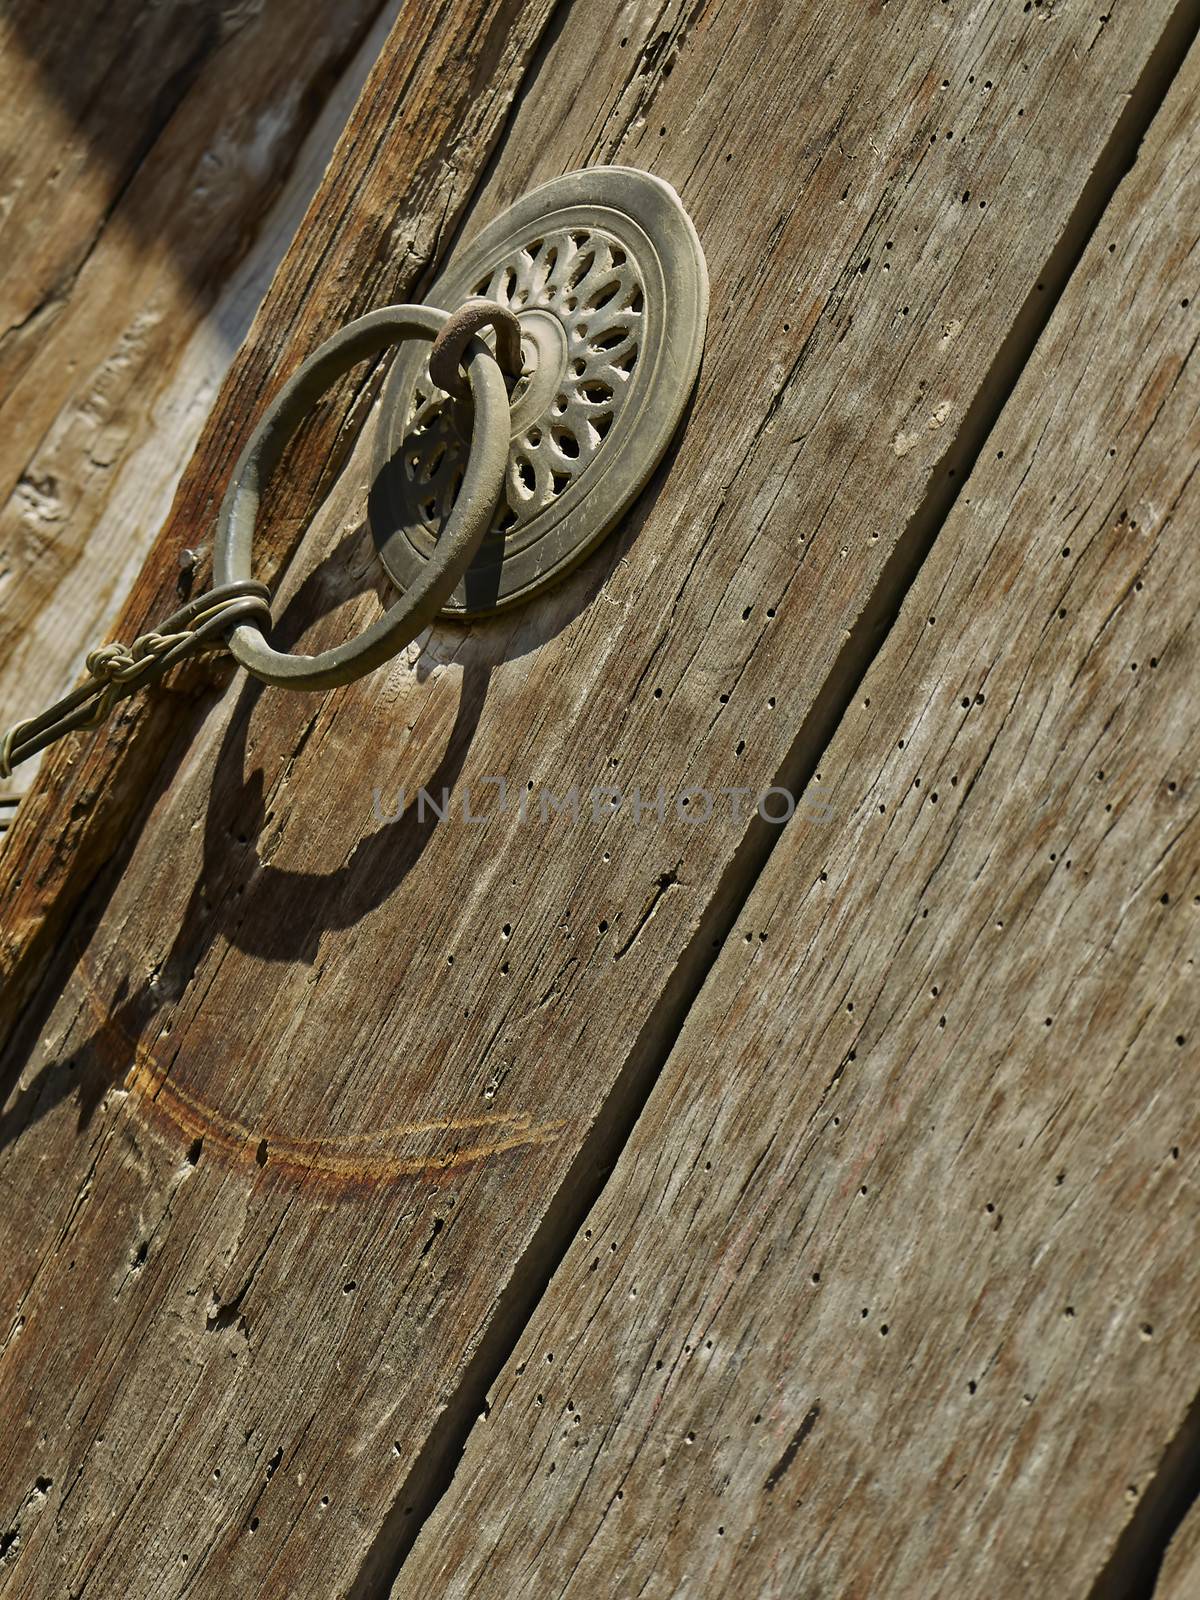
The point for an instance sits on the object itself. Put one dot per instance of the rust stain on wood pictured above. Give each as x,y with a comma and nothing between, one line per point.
339,1164
342,1164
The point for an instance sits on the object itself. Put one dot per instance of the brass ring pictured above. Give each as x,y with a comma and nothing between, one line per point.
457,545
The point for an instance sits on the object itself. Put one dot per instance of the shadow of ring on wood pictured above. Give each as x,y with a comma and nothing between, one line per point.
275,915
257,921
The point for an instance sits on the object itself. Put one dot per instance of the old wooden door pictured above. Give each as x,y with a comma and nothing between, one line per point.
678,1202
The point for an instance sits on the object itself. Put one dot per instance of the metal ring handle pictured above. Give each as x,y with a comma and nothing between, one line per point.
464,532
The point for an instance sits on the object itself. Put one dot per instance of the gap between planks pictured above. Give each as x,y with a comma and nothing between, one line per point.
1136,1568
1143,1544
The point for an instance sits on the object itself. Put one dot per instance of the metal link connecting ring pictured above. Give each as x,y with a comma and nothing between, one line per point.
472,317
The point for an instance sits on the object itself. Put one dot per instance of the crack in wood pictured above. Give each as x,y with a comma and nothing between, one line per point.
794,1443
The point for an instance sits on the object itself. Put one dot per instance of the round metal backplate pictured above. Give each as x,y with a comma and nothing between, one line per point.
606,275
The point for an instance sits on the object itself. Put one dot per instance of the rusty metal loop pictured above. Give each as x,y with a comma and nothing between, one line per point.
474,315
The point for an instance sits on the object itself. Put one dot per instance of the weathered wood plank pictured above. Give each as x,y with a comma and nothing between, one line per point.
428,119
323,1090
154,162
84,96
893,1290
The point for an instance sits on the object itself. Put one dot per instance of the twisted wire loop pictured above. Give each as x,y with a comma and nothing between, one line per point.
115,672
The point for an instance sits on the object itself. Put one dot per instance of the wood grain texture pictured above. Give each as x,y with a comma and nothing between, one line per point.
319,1088
428,118
155,161
893,1290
